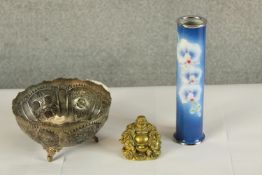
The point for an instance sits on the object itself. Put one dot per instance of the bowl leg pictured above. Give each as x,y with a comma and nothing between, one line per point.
95,138
51,152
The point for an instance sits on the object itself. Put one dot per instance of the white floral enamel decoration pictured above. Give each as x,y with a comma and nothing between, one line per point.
188,55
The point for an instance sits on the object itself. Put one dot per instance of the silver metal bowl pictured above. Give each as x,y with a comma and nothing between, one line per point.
62,112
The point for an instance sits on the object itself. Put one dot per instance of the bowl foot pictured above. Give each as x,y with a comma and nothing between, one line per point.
51,152
95,138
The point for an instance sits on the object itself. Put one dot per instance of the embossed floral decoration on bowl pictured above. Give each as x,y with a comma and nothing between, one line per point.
62,112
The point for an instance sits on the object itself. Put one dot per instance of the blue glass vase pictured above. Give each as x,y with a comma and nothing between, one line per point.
190,77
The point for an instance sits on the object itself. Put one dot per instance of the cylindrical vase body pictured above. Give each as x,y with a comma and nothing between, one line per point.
190,79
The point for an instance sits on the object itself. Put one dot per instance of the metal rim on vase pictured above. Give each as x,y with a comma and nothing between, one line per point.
192,21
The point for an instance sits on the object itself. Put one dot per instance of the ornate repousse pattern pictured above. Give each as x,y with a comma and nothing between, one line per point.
62,112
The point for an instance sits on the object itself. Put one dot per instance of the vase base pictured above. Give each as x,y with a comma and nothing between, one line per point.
184,142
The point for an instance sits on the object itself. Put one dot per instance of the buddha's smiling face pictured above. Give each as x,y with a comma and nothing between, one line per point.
141,121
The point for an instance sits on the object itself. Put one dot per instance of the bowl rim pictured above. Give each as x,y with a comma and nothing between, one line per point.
54,83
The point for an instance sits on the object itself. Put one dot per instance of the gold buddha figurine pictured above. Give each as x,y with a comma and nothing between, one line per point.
141,140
